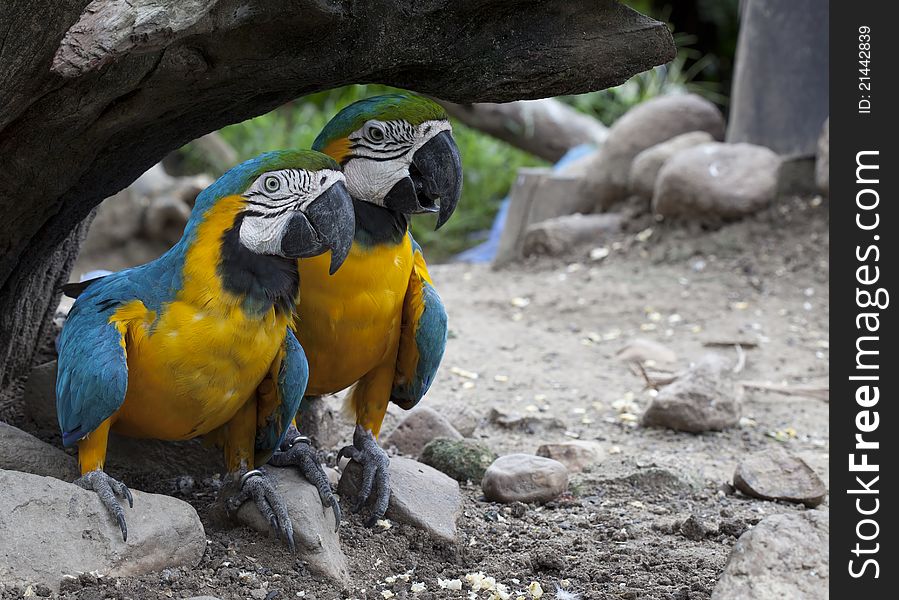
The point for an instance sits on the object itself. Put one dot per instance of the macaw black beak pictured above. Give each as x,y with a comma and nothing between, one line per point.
434,183
328,223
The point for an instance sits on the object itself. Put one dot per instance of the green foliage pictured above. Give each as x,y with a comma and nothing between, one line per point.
489,165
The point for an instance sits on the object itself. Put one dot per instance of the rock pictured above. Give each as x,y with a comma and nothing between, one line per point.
717,181
313,526
642,127
646,165
20,451
525,423
49,529
420,496
418,428
463,419
704,398
641,350
784,556
773,474
524,478
321,421
463,460
127,458
39,397
694,529
563,234
822,164
575,455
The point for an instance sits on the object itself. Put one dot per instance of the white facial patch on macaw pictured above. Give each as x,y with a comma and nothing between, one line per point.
272,201
381,154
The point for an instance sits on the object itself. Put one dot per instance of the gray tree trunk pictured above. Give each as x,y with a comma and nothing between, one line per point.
780,96
94,93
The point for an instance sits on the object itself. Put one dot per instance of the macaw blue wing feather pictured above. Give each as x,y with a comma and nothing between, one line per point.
422,338
293,375
92,373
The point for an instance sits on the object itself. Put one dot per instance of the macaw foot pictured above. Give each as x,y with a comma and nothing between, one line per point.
375,476
108,488
298,452
256,486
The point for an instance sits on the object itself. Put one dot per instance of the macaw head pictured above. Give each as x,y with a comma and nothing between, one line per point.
397,151
294,204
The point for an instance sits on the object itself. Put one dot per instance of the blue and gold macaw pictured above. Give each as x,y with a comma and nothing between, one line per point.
200,341
379,325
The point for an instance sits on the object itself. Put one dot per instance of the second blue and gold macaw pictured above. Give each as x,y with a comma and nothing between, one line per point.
200,341
378,324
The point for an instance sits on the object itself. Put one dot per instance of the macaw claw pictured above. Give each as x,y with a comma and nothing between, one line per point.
108,488
256,486
375,475
300,454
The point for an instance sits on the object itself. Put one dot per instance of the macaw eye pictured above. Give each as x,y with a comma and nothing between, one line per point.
376,133
271,184
322,182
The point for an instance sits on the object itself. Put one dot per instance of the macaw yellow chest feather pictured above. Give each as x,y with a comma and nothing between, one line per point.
191,367
349,322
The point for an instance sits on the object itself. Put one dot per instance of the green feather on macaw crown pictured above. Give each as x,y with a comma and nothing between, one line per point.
389,107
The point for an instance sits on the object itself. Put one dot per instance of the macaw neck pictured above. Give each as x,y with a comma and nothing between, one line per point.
217,270
263,281
376,225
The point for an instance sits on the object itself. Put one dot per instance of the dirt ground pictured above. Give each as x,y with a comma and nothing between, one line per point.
657,518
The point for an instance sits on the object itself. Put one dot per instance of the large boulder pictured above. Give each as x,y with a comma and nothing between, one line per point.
50,529
314,529
646,166
420,496
642,127
784,556
21,451
716,181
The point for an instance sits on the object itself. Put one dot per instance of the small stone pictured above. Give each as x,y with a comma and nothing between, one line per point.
715,181
418,428
21,451
784,556
773,474
524,478
575,455
526,424
646,165
463,460
694,529
420,496
162,532
704,398
641,350
314,532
